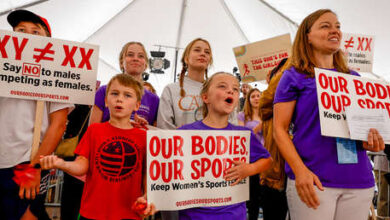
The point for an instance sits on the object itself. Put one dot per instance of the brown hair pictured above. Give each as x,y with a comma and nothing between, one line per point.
184,64
248,106
206,87
124,50
127,81
302,57
150,86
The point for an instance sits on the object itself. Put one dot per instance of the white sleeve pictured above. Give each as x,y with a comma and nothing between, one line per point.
55,106
166,114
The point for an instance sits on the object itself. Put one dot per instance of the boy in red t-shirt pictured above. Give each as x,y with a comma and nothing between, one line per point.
113,155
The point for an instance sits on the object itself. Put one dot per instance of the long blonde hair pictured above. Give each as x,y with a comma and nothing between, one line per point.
302,57
185,65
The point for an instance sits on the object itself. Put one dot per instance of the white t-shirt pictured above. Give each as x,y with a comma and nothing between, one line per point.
17,117
175,111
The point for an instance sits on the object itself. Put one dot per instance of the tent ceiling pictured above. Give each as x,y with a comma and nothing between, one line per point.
225,23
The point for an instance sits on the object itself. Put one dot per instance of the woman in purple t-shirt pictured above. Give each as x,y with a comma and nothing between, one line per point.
320,185
133,60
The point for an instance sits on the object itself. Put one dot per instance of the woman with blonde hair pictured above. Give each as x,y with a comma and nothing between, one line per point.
133,60
320,185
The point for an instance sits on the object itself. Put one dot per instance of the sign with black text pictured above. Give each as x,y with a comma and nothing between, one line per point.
43,68
337,91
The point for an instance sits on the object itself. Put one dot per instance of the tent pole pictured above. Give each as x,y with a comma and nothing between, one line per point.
178,38
279,13
176,55
23,6
229,13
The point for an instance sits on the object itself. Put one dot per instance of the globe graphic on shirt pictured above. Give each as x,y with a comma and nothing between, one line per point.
117,159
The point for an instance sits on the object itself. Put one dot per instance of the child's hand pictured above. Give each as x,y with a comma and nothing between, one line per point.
139,122
142,208
238,172
51,162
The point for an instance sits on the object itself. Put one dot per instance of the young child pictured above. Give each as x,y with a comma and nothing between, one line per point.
112,154
220,94
25,198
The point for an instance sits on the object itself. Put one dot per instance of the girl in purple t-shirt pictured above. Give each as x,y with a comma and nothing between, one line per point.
320,186
220,95
133,60
250,118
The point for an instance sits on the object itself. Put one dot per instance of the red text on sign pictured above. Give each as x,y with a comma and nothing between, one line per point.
168,171
218,145
18,47
30,69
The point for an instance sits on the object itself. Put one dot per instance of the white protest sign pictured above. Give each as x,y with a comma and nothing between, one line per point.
335,91
185,168
360,121
359,51
42,68
255,60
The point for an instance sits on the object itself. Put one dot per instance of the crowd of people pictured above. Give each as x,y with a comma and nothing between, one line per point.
294,171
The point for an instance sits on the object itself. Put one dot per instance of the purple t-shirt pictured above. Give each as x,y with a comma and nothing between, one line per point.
251,125
235,211
319,153
147,110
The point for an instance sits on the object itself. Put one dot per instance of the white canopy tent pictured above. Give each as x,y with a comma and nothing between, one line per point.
174,23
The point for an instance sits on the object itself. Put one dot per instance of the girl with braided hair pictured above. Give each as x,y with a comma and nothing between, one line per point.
180,102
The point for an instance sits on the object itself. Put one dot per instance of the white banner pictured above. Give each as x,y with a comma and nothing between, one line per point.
43,68
336,91
185,168
359,51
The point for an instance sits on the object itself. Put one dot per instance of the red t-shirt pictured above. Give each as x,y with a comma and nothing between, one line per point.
114,178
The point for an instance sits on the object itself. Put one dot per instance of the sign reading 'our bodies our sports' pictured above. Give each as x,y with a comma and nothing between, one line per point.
359,51
185,168
42,68
256,60
336,91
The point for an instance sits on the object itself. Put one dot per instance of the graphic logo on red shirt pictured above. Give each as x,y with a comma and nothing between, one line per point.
117,159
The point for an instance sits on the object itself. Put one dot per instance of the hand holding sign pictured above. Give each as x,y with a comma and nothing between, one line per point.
374,141
238,172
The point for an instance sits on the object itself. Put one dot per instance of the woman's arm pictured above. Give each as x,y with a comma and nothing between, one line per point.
96,115
304,178
53,134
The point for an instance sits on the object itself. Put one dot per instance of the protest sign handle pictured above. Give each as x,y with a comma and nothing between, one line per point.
37,128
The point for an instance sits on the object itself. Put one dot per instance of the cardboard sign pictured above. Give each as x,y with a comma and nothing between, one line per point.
43,68
256,60
359,51
186,168
336,91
